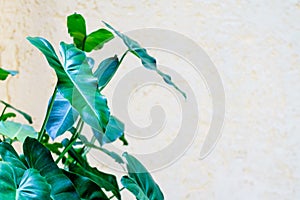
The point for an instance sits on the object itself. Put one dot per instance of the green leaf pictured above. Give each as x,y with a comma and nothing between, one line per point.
142,179
77,29
81,88
25,115
8,154
4,73
113,131
87,189
7,181
134,188
38,157
5,116
16,130
103,180
106,70
97,39
76,82
33,186
148,61
62,117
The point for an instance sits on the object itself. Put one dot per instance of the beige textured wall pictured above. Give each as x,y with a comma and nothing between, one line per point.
254,45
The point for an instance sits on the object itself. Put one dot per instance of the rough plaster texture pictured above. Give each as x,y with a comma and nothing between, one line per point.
255,46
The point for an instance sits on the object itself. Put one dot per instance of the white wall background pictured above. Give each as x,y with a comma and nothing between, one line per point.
255,46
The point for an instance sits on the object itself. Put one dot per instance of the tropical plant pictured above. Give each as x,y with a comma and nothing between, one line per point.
76,100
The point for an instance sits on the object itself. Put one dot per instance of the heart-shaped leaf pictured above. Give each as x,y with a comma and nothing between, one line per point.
25,115
141,182
87,189
62,117
76,82
32,185
4,73
148,61
39,158
16,130
93,41
103,180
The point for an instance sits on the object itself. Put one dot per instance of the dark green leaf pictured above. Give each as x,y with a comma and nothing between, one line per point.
16,130
97,39
33,186
106,70
103,180
7,181
142,178
148,61
87,189
62,117
25,115
77,29
4,73
39,157
8,154
134,188
5,116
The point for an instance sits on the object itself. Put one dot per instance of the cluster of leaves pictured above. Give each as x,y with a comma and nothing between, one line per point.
76,100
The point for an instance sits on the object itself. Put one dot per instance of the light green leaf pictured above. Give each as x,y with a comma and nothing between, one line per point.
148,61
93,41
142,178
16,130
77,29
134,188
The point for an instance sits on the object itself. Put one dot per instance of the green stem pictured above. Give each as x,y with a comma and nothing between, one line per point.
4,109
42,131
119,191
72,140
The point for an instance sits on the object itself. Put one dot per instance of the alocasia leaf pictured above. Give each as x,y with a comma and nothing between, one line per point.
16,130
148,61
62,117
4,73
25,115
106,70
140,180
38,157
77,30
8,154
103,180
87,189
76,82
33,186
